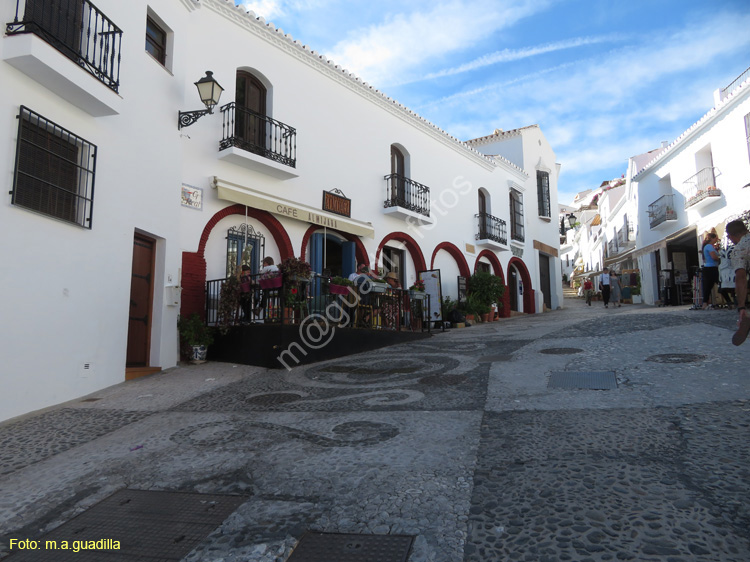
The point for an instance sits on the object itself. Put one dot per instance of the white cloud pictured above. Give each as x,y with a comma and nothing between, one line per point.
387,53
267,9
508,55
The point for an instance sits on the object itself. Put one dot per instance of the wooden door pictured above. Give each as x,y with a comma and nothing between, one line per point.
545,279
250,99
141,298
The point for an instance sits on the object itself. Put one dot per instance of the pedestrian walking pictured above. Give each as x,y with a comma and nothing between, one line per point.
737,233
604,286
588,290
710,267
615,290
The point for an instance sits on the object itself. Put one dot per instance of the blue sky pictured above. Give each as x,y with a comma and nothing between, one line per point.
604,80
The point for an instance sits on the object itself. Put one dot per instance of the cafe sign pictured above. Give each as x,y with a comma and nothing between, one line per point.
335,201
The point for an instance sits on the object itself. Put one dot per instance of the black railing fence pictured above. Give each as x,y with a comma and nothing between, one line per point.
370,306
77,29
491,228
407,194
260,134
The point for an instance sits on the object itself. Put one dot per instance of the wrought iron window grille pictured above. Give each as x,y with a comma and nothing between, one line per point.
247,130
491,228
407,194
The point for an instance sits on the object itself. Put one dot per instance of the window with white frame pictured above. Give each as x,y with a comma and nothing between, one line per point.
54,171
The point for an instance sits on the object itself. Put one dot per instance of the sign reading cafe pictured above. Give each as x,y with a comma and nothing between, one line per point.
335,201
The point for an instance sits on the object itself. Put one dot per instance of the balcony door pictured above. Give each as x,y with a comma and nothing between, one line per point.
398,186
57,22
250,99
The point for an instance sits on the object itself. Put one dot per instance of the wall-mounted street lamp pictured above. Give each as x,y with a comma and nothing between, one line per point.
572,220
210,92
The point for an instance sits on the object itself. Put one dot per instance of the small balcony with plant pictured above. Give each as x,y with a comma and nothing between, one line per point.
662,211
701,189
44,30
406,198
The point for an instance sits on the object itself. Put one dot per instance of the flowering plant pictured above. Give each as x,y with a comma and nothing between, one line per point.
295,267
418,286
270,274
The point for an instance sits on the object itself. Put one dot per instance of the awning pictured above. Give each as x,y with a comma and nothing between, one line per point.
619,257
586,274
236,193
650,248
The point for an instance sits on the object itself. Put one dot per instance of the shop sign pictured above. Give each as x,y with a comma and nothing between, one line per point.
192,197
335,201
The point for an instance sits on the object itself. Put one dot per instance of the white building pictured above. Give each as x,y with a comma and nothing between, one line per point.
698,182
120,216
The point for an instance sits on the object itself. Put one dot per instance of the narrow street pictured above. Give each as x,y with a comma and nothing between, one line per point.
479,442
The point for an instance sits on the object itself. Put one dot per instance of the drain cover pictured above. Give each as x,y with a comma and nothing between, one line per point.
588,380
148,525
676,358
560,350
333,547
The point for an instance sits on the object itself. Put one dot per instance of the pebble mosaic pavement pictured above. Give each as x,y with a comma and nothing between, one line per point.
456,440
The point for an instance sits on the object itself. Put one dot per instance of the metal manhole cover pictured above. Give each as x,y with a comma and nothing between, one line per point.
443,380
676,358
586,380
273,399
335,547
135,525
561,350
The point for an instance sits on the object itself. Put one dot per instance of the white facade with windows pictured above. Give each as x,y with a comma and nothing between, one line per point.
117,218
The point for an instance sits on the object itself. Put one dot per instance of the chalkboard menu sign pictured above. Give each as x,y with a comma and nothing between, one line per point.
461,289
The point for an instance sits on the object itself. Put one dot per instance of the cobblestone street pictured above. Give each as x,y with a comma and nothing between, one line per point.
458,440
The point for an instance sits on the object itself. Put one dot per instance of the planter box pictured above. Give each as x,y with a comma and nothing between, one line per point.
338,289
376,287
417,295
637,299
273,283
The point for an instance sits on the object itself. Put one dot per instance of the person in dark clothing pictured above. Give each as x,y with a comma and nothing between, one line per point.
604,286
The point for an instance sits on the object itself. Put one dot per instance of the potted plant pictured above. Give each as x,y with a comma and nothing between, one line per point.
486,290
296,275
417,290
635,292
229,303
339,285
196,335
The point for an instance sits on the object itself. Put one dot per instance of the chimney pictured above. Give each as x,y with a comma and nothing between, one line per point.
664,144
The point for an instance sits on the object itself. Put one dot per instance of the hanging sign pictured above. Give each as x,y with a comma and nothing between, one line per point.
335,201
192,197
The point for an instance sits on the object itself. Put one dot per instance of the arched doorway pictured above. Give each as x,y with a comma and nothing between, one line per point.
520,291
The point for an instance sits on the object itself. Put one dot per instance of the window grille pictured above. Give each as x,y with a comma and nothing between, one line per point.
54,172
542,186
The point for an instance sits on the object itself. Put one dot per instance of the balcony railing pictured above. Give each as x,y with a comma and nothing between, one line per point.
259,134
491,228
701,186
393,309
78,30
407,194
662,210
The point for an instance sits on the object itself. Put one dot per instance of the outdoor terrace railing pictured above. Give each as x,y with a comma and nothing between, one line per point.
700,187
736,82
313,299
76,28
407,194
259,134
661,210
491,228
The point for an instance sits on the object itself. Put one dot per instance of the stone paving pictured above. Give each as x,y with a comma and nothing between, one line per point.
457,440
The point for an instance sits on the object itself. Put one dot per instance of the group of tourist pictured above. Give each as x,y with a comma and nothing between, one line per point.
609,285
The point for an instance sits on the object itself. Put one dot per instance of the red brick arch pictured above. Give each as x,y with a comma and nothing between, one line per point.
194,263
452,249
529,303
496,267
411,245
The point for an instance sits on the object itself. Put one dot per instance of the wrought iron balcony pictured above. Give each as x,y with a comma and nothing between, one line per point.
78,30
701,187
259,134
491,228
407,194
661,211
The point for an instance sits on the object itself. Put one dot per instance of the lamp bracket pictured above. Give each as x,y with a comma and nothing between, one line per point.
187,118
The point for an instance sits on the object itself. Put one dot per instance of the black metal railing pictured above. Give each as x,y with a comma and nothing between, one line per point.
403,192
292,302
736,82
701,186
661,210
76,28
491,228
259,134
